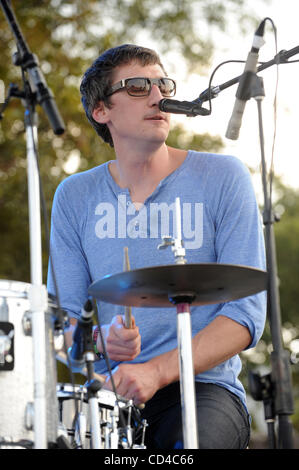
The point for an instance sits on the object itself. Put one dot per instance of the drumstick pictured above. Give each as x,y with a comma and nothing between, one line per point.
61,357
128,310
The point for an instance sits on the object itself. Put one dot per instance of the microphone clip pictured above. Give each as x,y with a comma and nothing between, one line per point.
251,86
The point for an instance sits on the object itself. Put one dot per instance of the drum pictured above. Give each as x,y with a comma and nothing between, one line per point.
16,369
120,424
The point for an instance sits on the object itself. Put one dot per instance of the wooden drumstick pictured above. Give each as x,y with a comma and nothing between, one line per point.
128,310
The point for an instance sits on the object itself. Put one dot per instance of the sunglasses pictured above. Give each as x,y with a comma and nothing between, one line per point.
141,86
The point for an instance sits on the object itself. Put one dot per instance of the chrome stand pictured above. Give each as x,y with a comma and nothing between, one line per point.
184,335
38,295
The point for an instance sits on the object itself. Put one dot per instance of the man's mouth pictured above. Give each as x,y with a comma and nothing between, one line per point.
157,117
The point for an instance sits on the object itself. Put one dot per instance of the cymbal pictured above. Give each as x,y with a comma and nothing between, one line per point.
157,286
62,357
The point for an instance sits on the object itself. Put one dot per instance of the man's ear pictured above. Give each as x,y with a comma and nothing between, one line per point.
101,113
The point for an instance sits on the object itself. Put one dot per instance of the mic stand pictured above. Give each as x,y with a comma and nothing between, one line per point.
93,386
261,389
35,91
280,58
280,378
38,314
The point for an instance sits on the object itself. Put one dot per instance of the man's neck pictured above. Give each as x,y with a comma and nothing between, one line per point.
141,173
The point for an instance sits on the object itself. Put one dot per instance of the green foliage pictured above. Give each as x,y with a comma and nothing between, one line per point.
67,36
285,205
287,248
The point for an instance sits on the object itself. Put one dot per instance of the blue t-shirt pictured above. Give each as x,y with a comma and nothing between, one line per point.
93,219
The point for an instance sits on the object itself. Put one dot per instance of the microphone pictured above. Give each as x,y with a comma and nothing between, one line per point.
243,91
82,332
190,108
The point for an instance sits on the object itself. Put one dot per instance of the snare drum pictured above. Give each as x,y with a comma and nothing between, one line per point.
16,368
119,420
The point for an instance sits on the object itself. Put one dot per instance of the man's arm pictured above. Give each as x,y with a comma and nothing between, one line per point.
217,342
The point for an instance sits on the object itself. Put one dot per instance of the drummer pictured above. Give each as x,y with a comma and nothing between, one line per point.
129,202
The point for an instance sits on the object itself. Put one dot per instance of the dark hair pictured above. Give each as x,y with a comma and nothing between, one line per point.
98,79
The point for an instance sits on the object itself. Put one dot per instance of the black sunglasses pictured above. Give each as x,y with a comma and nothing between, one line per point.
141,86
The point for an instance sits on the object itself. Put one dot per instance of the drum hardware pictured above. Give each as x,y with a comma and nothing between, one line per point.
17,422
27,323
181,284
113,441
128,427
4,310
29,416
81,425
115,433
6,346
184,335
7,442
176,243
80,353
56,334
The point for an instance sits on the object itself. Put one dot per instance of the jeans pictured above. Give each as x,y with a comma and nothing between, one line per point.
223,422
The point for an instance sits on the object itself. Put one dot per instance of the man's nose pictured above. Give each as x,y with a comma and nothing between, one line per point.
155,95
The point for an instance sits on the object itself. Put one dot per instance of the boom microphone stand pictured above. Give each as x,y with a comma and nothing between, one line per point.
276,388
35,92
280,361
279,382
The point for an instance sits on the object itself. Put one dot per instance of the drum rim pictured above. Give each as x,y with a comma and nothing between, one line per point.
64,391
16,289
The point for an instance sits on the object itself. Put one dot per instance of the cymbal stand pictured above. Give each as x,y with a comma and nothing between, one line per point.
35,91
182,301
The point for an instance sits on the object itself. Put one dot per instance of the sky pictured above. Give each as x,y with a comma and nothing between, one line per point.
285,16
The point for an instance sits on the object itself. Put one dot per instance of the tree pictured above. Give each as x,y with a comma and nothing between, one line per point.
66,36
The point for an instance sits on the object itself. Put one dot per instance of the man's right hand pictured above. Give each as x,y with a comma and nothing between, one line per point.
122,344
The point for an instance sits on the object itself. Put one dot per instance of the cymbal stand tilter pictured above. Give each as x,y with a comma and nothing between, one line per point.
182,301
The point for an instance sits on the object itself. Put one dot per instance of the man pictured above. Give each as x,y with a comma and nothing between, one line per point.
128,202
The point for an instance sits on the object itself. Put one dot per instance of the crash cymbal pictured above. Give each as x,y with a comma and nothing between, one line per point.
158,286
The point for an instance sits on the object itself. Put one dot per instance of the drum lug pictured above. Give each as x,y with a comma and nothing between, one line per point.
58,340
27,323
7,333
29,416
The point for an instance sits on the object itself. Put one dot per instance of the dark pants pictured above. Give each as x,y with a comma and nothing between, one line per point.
223,423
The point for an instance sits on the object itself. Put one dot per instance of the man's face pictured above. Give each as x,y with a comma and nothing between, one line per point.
137,119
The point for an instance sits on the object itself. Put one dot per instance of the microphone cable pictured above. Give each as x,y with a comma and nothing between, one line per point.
209,91
120,411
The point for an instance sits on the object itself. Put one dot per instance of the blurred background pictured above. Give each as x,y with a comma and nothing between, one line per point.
192,37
